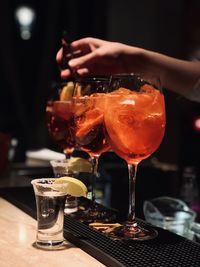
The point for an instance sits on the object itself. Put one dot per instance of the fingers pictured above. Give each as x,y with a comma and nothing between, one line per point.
85,54
83,61
65,74
83,72
59,56
81,47
86,42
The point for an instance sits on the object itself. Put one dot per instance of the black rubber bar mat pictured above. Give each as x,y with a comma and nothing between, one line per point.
167,250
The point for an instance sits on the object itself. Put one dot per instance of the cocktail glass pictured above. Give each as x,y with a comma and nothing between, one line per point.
89,108
60,169
50,202
60,119
79,168
135,126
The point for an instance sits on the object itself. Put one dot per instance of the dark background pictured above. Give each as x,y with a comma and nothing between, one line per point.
28,67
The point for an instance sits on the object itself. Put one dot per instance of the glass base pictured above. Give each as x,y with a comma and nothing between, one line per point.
49,245
71,205
138,233
70,210
98,216
93,214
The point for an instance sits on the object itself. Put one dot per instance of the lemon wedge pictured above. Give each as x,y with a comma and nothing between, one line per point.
71,186
77,164
67,92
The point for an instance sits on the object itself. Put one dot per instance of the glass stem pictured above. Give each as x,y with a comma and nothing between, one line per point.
132,171
68,152
94,161
67,155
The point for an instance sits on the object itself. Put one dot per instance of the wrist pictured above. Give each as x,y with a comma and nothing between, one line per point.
140,60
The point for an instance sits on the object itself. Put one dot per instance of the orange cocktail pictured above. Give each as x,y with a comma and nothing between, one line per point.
89,108
60,124
135,122
89,118
135,126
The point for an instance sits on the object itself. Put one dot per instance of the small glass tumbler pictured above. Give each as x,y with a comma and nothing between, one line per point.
171,214
50,202
60,169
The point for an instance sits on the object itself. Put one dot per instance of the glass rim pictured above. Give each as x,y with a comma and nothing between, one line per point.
96,78
135,74
59,161
41,187
150,77
38,181
140,75
191,217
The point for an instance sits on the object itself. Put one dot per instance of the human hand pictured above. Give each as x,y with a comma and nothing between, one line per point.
93,56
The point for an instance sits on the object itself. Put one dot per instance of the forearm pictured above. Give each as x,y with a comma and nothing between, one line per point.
103,57
176,75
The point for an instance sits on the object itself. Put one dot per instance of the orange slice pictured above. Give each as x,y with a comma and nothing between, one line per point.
92,120
67,91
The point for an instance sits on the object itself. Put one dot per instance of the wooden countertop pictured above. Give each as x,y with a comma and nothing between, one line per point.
18,232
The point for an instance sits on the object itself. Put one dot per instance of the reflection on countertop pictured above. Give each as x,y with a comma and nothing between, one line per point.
17,238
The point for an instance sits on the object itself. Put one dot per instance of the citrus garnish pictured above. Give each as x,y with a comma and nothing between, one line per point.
63,109
148,88
67,92
76,164
71,186
93,119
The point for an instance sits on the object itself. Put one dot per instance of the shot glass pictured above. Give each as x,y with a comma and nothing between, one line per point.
50,202
61,168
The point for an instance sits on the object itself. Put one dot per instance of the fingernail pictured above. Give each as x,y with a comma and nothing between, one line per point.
72,63
82,71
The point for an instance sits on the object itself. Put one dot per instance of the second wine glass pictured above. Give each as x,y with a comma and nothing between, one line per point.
89,108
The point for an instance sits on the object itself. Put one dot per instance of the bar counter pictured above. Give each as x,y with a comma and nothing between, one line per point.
84,246
18,232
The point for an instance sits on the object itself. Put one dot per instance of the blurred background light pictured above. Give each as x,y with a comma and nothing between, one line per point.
197,124
25,17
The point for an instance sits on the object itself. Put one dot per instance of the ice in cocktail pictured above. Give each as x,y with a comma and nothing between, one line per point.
60,124
135,122
135,125
89,118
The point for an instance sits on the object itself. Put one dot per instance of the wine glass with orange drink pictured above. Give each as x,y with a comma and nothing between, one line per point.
135,126
59,109
61,128
89,109
60,119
